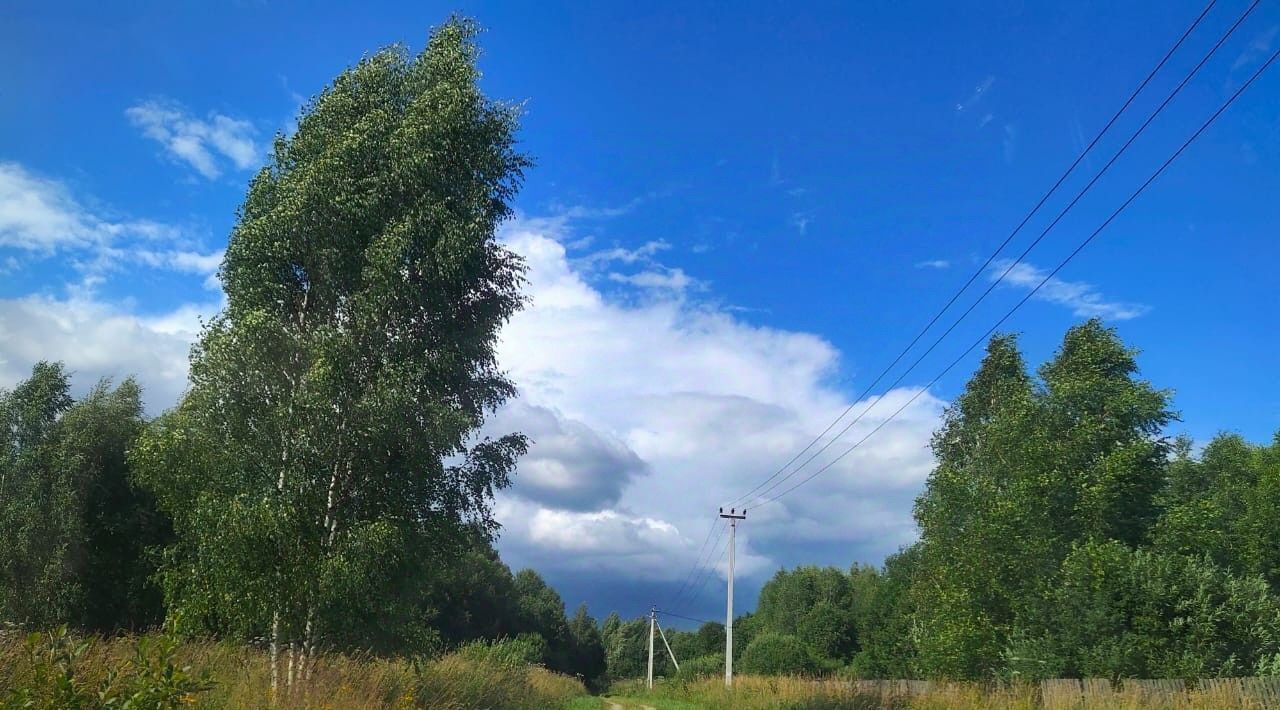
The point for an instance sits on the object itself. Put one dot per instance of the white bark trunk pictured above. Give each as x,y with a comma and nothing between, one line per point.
275,654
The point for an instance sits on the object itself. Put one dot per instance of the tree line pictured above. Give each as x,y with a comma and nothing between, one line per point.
323,484
1063,533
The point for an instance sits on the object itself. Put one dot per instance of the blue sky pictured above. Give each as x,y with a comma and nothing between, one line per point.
738,216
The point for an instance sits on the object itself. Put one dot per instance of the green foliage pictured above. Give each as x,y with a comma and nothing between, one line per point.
322,463
1117,612
1226,505
772,653
814,604
1027,470
711,664
151,680
626,646
886,618
587,658
76,529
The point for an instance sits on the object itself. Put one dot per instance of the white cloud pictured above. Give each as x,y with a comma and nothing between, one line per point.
204,144
661,278
98,340
933,264
641,254
710,404
41,215
1082,298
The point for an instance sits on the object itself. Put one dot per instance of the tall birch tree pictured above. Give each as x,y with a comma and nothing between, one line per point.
328,444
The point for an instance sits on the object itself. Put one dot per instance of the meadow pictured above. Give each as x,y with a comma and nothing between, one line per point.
60,670
752,692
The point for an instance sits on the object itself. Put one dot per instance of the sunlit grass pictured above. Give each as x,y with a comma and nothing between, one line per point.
758,692
241,678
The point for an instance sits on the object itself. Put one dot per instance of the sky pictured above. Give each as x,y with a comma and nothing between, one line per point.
739,215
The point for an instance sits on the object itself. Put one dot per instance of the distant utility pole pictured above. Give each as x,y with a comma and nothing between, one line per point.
653,620
733,517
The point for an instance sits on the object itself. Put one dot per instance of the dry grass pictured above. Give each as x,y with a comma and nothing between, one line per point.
242,678
752,692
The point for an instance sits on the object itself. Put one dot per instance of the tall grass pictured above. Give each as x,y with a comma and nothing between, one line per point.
758,692
232,676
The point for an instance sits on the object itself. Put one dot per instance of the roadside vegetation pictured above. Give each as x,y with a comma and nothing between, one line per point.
63,670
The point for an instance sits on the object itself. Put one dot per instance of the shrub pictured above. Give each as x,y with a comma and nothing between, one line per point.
702,666
521,651
51,676
777,654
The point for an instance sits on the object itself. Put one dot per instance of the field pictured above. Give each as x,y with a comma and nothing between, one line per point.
58,670
63,671
751,692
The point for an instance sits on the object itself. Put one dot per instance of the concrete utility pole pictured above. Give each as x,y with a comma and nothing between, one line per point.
733,517
671,653
653,620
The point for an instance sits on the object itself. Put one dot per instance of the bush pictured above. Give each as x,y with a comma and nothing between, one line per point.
777,654
50,675
702,666
519,652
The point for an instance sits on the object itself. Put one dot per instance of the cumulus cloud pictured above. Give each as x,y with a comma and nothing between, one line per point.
710,405
1082,298
569,465
96,340
207,145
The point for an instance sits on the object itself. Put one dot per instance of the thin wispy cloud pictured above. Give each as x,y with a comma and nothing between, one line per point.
207,145
801,221
976,96
1258,47
1009,145
44,218
641,254
661,278
41,215
1084,299
933,264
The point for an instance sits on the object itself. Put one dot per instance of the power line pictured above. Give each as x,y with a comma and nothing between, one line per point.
996,282
989,260
715,523
686,618
706,573
1046,279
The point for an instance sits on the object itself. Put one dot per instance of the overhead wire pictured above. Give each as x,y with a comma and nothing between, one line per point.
1010,266
990,259
1208,122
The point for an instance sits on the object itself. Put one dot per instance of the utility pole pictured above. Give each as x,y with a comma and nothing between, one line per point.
733,516
671,653
653,620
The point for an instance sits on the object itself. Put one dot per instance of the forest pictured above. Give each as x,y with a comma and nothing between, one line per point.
1063,534
322,486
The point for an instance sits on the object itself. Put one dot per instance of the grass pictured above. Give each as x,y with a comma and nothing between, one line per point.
758,692
240,677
